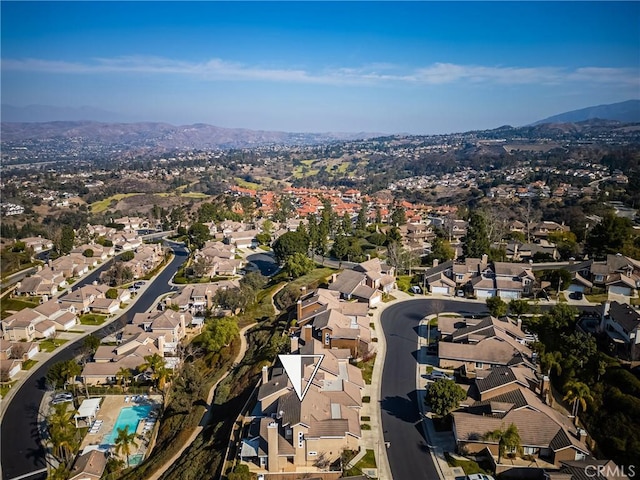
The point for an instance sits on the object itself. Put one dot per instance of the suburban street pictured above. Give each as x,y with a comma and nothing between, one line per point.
401,421
21,449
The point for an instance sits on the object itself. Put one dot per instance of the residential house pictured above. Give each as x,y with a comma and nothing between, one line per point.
622,323
146,258
506,396
379,276
22,326
513,280
19,350
543,229
242,239
35,286
9,368
439,280
63,318
81,298
353,285
617,274
488,344
38,244
199,297
89,466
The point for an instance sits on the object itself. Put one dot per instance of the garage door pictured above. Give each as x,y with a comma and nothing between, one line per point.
620,290
440,290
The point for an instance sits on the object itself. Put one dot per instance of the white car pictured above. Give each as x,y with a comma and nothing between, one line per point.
479,476
436,375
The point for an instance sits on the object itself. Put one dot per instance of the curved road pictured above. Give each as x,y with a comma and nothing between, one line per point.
401,421
21,449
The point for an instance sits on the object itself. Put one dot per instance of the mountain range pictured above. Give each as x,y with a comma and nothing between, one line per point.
628,111
81,124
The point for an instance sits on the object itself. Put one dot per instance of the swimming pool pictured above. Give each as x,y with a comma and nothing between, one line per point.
129,417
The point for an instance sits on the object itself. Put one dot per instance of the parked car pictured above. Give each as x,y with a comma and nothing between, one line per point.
139,284
576,295
437,375
61,398
415,289
479,476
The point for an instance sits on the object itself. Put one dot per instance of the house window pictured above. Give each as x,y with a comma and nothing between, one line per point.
300,439
580,456
530,450
327,338
313,454
479,365
288,434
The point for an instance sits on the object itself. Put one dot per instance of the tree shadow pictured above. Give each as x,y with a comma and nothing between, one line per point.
401,407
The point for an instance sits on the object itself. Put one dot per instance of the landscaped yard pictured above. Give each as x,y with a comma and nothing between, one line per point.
28,364
49,345
92,319
470,467
8,306
368,461
5,387
367,369
597,298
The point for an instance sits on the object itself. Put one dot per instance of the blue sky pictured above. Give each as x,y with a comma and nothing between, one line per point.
328,66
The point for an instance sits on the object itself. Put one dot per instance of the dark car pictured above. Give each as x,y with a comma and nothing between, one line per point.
576,295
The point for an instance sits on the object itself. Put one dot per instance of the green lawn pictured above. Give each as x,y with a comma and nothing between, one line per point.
8,305
368,461
597,298
49,345
28,364
367,369
5,387
92,319
470,467
244,184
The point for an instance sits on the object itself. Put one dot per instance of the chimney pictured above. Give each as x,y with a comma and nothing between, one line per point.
581,435
368,256
272,447
484,260
265,375
294,344
161,344
333,277
299,309
544,388
435,262
307,334
519,322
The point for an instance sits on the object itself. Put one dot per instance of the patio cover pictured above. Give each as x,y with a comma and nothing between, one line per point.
88,409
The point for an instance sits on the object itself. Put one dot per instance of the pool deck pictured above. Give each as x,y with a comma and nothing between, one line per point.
108,414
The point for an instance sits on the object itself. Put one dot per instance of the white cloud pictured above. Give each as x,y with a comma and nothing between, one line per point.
380,73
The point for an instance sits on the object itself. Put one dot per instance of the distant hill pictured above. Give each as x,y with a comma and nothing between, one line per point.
628,111
164,135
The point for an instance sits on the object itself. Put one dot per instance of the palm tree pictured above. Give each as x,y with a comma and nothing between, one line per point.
62,434
156,364
125,441
124,374
551,361
508,439
578,393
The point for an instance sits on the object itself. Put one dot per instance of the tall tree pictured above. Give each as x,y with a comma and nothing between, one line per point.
398,216
497,307
578,394
290,243
67,239
443,396
124,442
608,236
361,222
340,247
476,242
508,439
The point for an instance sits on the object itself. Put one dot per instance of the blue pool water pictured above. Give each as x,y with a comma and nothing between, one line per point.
129,416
